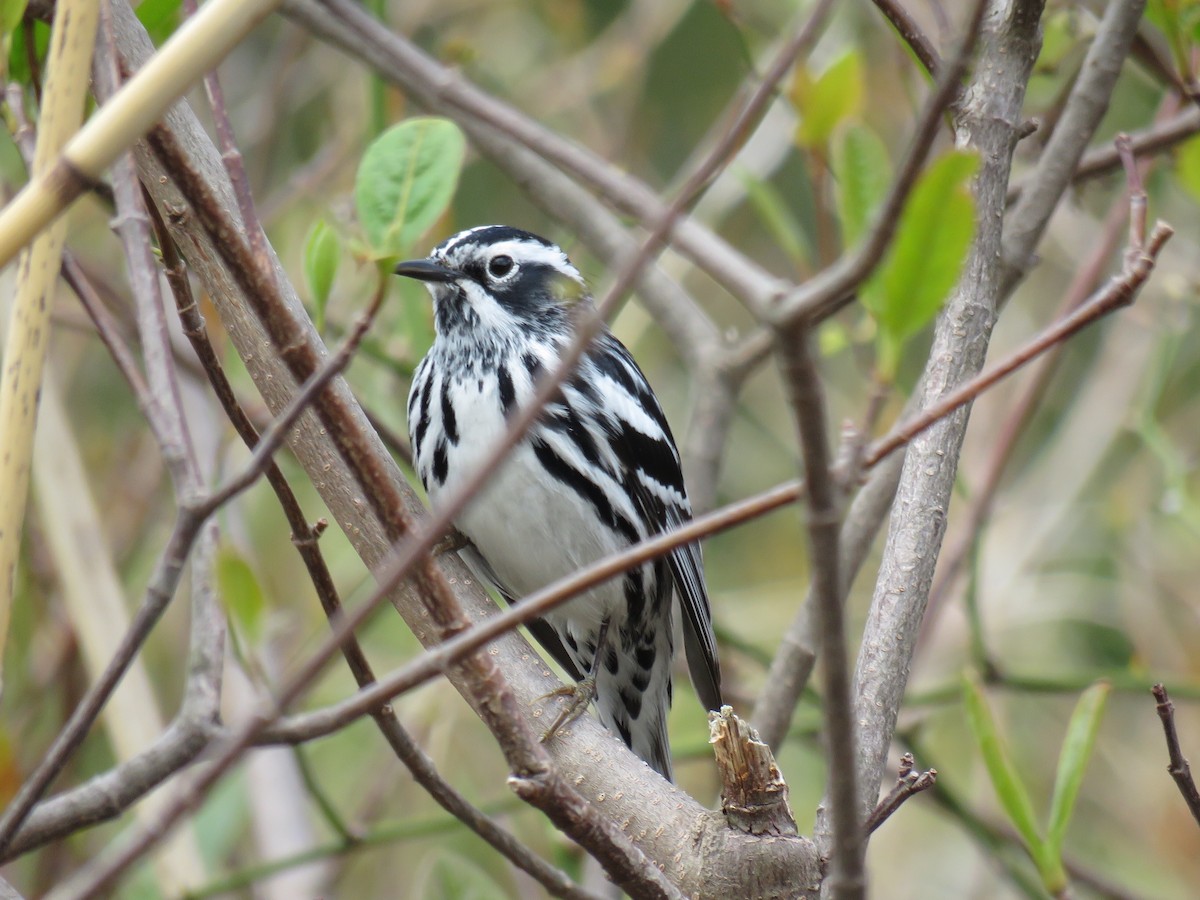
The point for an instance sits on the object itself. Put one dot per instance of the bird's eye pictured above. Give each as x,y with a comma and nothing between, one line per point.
499,266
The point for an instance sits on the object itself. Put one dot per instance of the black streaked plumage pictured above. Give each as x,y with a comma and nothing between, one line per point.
599,471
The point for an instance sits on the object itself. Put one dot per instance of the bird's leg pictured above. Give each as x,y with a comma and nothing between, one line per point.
452,541
580,694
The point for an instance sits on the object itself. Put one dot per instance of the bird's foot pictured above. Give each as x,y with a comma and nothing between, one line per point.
451,542
578,697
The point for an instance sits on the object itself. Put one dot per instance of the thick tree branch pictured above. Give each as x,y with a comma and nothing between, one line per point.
990,119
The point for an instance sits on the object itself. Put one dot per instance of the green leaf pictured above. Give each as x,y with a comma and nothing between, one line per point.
405,182
1187,166
773,211
832,338
1176,19
11,12
827,100
240,592
1059,39
1004,776
415,321
932,239
1073,760
159,17
322,253
16,56
862,173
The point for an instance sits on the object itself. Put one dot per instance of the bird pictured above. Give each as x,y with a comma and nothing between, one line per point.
597,472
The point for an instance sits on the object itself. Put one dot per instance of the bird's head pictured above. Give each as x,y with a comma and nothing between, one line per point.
494,278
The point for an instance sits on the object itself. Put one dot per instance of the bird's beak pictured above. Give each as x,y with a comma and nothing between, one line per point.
426,270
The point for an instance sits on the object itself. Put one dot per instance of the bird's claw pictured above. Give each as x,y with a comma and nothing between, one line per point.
579,696
452,541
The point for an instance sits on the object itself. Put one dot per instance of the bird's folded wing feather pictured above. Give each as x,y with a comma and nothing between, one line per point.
542,630
654,477
687,569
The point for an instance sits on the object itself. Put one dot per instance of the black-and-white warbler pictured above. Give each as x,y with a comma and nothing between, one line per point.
596,473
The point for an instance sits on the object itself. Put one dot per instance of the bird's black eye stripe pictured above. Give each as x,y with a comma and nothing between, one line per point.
501,265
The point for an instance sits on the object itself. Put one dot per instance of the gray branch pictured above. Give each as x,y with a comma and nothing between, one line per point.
989,121
1086,106
793,664
443,90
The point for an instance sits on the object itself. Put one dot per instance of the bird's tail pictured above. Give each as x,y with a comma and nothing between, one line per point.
634,701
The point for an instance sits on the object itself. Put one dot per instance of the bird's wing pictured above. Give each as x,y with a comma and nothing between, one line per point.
700,644
655,480
542,630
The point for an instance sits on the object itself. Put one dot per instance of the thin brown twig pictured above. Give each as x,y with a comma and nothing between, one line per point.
908,782
1102,160
906,26
105,325
231,156
1178,765
833,287
802,381
1086,105
1119,292
438,660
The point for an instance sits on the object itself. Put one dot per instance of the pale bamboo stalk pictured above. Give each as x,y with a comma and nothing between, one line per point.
96,605
68,64
199,44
